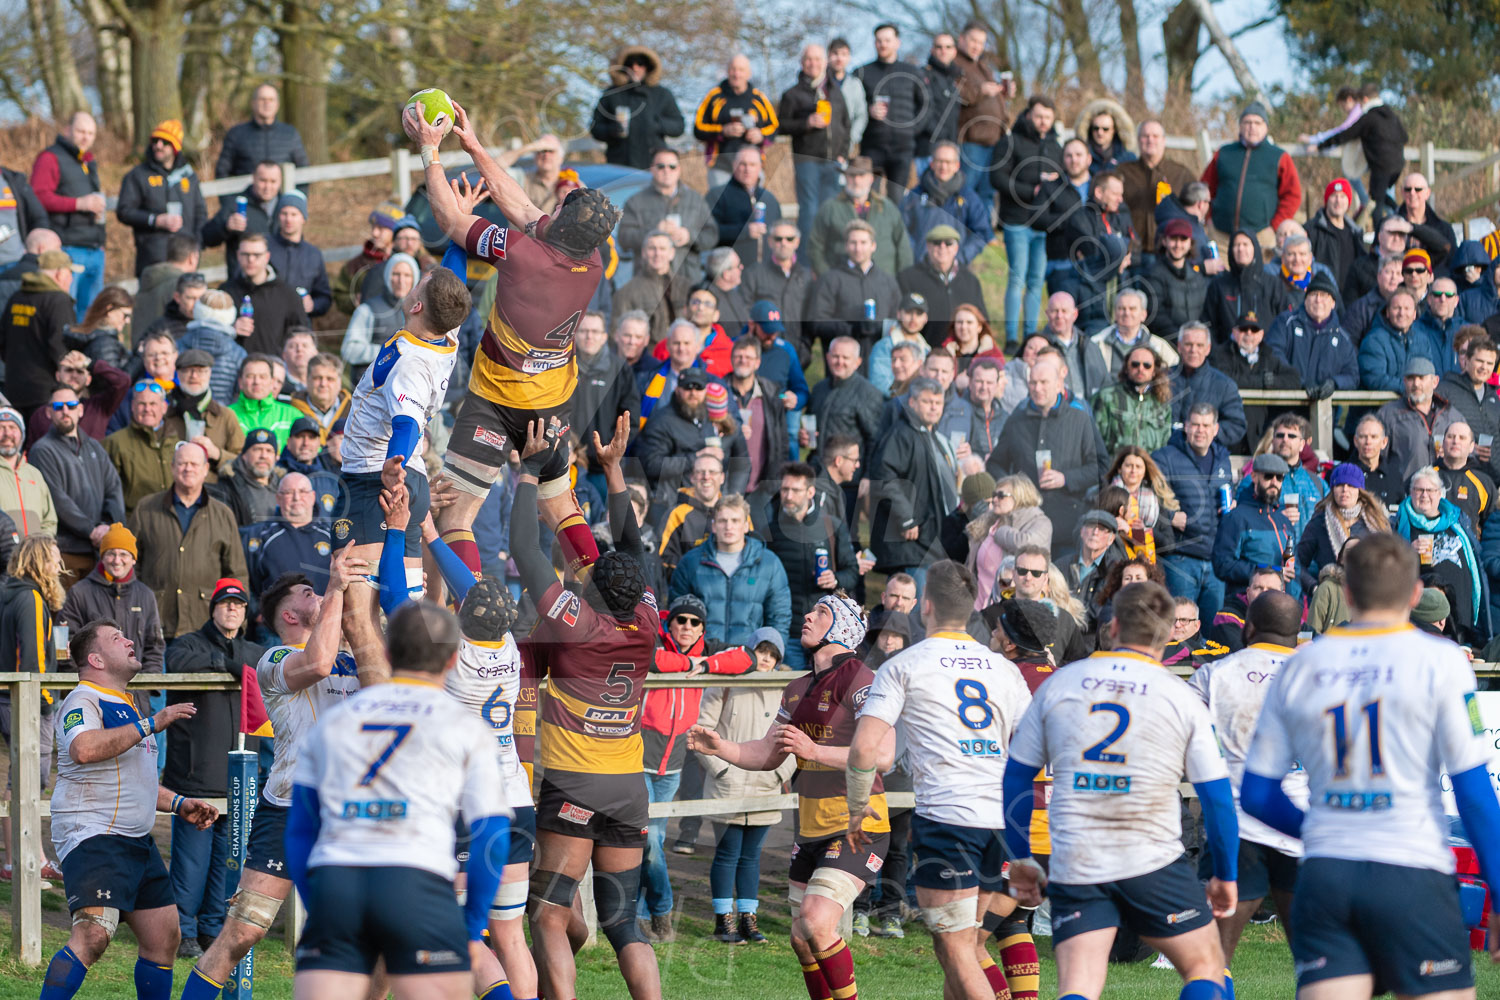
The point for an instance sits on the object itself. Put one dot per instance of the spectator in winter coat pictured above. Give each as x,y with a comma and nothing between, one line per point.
943,196
740,581
252,212
173,312
1145,177
32,329
1469,393
31,595
678,432
1482,301
197,756
1449,550
903,339
765,408
378,319
1417,421
21,214
1250,364
142,451
1029,156
211,331
982,116
1196,466
349,283
1244,286
204,420
37,243
1394,340
1111,344
635,115
99,335
957,416
1348,511
1106,139
839,305
1178,286
940,77
296,261
261,139
84,485
1336,240
324,399
845,403
687,524
1256,532
111,590
731,116
655,289
814,113
782,277
859,201
257,404
1099,242
1360,316
24,495
269,309
1196,381
1429,230
160,196
1310,341
66,179
941,282
100,385
743,209
606,386
1137,409
667,205
187,541
898,106
1440,316
1254,182
914,484
1382,138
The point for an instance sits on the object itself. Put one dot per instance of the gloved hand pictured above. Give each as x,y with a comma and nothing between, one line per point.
1322,390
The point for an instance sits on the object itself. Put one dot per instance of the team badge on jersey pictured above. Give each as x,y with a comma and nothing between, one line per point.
252,543
327,501
73,720
341,529
280,655
323,548
1476,723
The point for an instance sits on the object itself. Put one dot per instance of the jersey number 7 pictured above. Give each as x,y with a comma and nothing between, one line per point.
401,730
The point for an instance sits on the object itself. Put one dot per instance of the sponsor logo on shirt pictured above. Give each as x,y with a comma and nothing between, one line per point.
1475,722
444,957
1439,967
535,365
486,436
565,608
73,720
874,862
376,809
1105,784
1358,801
575,814
491,243
834,850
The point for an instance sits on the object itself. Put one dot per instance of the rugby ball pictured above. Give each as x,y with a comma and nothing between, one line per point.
435,107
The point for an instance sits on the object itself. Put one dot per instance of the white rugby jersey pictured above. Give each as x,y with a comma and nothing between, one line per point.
954,704
394,766
487,680
1374,715
294,713
115,796
1119,730
1234,689
408,378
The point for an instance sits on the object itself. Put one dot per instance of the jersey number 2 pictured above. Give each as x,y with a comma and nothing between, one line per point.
1338,716
401,730
1099,752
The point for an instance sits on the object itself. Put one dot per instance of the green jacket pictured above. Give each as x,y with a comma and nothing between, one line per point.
270,413
144,458
1127,417
892,245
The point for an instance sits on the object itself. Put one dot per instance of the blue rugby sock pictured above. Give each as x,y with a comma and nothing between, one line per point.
1202,989
200,987
1228,985
64,975
497,991
152,981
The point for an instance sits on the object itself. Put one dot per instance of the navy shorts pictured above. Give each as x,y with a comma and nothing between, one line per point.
126,873
266,851
1160,904
1262,869
522,839
365,524
1401,925
834,852
945,856
408,916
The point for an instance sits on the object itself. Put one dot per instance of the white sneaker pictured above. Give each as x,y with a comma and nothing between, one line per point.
1161,962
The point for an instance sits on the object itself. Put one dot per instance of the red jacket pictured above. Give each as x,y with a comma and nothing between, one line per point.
668,713
714,355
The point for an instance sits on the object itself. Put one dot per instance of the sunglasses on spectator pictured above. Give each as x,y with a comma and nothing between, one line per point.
1038,573
1275,477
1292,435
1101,128
1414,270
1414,189
146,385
66,404
73,370
1148,365
1443,295
687,620
943,243
1001,495
785,239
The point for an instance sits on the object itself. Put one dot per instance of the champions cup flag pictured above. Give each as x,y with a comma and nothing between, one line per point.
253,718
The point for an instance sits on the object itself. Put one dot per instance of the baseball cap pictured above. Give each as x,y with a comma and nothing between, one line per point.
260,436
305,425
912,303
1418,366
228,589
1249,321
1271,464
57,260
767,315
1178,227
942,232
693,378
195,357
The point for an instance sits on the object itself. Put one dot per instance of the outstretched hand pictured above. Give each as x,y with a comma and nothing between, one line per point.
396,506
461,128
419,130
468,195
610,454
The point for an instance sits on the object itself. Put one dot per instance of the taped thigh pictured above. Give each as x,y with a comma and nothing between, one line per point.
552,887
553,488
469,476
253,908
839,886
794,896
105,917
510,901
951,917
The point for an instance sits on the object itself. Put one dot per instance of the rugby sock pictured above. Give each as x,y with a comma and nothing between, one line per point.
837,964
152,981
1202,989
723,906
65,974
1023,970
497,991
812,975
996,977
1228,985
461,541
579,549
200,987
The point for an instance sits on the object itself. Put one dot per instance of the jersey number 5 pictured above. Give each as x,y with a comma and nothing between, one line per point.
1338,715
401,730
1099,752
619,676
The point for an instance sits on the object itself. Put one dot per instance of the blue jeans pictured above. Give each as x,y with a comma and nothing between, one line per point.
817,181
1026,255
976,164
198,876
734,877
1195,580
656,885
86,286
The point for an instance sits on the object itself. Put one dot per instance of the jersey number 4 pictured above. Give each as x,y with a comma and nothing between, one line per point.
401,731
562,334
1338,716
1100,752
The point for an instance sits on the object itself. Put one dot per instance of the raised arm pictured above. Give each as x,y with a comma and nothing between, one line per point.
314,661
508,195
626,533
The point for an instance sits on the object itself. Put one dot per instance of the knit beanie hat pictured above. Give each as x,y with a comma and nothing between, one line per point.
1339,184
387,214
294,199
976,489
717,399
170,132
118,537
1255,108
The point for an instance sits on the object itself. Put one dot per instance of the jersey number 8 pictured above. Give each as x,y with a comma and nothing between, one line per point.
973,700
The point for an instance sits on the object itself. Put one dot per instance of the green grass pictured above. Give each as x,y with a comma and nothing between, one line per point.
697,966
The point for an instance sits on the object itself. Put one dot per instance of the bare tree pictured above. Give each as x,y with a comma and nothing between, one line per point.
54,57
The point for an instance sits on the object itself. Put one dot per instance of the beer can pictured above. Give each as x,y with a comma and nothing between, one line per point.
1226,498
820,561
869,309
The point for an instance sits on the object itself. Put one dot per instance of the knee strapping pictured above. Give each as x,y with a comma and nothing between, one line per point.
950,917
105,917
992,922
794,895
1011,927
469,476
553,488
615,895
253,908
510,901
833,884
552,887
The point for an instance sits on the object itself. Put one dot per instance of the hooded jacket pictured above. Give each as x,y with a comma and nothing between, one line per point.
26,644
221,342
756,595
1336,248
32,337
128,602
1316,353
1479,303
84,484
654,116
718,108
1197,483
145,194
1238,290
908,489
799,102
1016,170
25,498
197,756
375,320
940,123
933,203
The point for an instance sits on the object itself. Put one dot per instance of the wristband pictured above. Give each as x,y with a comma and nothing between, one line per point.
177,801
430,156
147,726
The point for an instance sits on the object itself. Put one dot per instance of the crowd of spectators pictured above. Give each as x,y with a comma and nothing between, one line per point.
824,399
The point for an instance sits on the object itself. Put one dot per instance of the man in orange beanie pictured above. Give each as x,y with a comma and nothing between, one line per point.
160,196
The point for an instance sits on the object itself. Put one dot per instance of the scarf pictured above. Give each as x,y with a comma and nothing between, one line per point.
1340,522
1447,520
938,192
1298,283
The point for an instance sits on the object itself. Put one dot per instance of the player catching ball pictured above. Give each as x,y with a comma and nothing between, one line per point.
549,268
